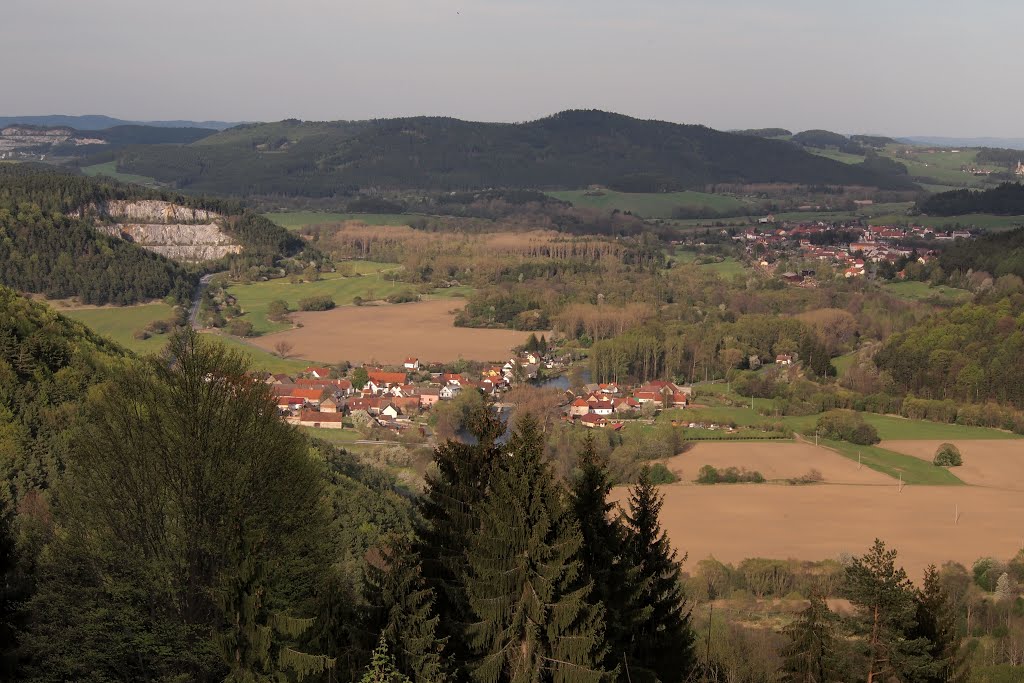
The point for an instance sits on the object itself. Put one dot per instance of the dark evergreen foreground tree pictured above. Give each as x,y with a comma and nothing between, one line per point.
402,613
662,639
886,610
936,622
535,621
810,655
8,597
615,584
450,512
176,454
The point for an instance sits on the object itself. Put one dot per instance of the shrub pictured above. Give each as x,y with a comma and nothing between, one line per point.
846,425
811,476
277,310
403,297
659,474
142,334
948,455
240,328
729,475
316,303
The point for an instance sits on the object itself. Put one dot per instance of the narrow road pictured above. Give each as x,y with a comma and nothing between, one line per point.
197,296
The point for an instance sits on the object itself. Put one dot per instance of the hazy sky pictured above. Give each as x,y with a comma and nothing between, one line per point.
930,67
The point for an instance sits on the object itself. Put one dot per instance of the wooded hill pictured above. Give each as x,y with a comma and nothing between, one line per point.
571,149
1005,200
45,250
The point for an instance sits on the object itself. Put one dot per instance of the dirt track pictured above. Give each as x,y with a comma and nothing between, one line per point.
389,334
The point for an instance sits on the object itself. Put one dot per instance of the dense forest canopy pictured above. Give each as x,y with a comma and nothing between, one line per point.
1005,200
568,150
46,249
996,254
825,139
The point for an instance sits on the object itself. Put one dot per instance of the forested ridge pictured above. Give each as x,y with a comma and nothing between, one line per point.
47,250
997,254
568,150
1004,200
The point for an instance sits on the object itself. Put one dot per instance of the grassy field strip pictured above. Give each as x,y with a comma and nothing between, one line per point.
913,470
296,220
922,291
109,169
256,297
120,323
652,204
260,359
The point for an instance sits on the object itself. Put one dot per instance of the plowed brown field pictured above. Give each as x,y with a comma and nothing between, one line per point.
775,460
736,521
389,334
997,463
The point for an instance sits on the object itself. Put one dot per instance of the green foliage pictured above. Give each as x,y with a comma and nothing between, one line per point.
404,296
47,365
402,613
1005,200
174,456
570,149
997,254
937,623
44,250
526,585
359,377
948,455
886,611
382,668
729,475
240,328
825,139
316,303
846,425
810,655
450,512
662,639
971,353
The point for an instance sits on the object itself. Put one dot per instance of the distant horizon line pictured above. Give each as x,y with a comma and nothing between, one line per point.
233,123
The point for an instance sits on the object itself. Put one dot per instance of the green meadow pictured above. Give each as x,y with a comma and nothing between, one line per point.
296,220
109,169
651,204
898,466
120,323
373,281
922,291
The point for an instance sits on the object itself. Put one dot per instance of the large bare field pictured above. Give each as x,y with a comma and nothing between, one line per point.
389,334
775,460
736,521
997,464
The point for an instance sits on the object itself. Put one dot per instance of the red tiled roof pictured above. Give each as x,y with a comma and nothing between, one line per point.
378,377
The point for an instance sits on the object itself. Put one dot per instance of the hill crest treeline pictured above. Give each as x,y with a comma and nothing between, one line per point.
571,149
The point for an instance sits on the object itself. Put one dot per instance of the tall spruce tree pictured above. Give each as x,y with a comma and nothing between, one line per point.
9,595
526,585
253,640
811,653
615,584
450,519
936,622
662,639
886,611
402,613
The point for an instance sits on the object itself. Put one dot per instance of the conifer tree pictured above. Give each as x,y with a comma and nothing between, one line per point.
402,613
810,655
8,597
450,519
382,667
936,622
601,553
252,639
535,621
662,639
886,610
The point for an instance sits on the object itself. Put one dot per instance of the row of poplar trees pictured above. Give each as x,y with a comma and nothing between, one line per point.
513,577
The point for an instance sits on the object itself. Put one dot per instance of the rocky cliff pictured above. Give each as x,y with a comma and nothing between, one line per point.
177,232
